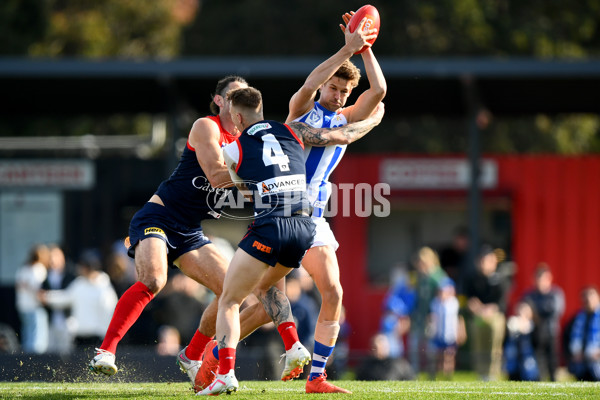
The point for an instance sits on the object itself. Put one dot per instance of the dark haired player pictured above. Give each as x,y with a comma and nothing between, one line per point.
267,159
167,231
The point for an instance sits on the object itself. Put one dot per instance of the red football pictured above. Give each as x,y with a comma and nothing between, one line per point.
373,21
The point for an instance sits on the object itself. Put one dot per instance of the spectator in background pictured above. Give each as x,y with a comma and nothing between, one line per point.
487,293
91,298
180,304
169,341
304,307
446,329
453,258
120,268
380,366
429,276
584,340
548,302
397,307
34,318
519,354
59,277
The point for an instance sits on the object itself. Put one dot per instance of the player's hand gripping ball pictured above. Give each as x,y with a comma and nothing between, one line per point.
372,22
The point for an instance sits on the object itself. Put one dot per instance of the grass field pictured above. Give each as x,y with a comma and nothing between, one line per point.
295,390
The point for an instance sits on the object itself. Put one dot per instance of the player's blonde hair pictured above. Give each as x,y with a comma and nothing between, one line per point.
348,72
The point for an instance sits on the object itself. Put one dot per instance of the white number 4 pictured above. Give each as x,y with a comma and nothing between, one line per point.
273,154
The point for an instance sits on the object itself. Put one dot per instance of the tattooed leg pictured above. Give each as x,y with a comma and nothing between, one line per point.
277,305
222,342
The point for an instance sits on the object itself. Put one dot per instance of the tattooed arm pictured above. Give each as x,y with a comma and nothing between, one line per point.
341,135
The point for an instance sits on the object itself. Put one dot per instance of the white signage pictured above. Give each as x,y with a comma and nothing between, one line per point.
28,218
436,173
67,174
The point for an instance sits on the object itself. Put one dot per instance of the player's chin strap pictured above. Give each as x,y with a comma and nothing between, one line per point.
326,332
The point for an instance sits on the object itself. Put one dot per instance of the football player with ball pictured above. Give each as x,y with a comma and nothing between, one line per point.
333,80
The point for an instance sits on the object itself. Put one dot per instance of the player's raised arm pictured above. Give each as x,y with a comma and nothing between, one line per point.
345,134
302,100
204,138
370,98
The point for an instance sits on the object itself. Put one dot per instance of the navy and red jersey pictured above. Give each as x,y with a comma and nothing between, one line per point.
187,193
270,160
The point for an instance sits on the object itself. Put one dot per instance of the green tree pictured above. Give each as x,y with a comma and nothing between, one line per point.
90,29
423,28
113,28
262,28
22,22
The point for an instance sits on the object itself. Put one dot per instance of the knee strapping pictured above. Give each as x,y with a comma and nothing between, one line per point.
327,332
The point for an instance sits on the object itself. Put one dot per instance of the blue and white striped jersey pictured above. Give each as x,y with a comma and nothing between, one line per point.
321,161
445,315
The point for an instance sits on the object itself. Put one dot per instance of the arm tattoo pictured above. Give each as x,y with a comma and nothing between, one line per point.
340,135
309,134
276,305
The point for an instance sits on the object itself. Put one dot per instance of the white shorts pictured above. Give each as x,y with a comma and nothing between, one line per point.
324,235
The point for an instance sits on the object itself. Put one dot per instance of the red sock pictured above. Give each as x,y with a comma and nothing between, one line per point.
226,360
194,350
289,334
128,310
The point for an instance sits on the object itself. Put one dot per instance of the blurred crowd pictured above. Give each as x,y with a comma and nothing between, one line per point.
440,308
64,305
439,314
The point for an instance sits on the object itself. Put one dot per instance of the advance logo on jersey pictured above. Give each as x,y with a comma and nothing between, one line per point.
280,184
258,128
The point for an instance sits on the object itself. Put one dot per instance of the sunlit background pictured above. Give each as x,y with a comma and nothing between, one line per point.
97,98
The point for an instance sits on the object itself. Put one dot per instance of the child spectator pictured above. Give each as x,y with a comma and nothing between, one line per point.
446,329
519,353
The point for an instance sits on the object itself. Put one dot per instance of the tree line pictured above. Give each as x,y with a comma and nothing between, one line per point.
167,29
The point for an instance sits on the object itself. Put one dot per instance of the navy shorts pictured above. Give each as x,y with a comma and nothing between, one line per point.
154,220
283,240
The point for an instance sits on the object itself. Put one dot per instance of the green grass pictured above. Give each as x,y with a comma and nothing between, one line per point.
295,390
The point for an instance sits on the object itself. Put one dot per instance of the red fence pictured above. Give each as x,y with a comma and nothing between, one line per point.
555,207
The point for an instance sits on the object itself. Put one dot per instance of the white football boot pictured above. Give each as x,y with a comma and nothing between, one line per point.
103,363
295,360
190,367
227,383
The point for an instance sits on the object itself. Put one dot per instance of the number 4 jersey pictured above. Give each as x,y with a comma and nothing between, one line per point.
269,158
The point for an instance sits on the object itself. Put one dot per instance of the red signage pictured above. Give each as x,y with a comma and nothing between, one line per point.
71,174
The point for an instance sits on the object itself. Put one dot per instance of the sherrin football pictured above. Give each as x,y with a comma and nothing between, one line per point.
372,15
